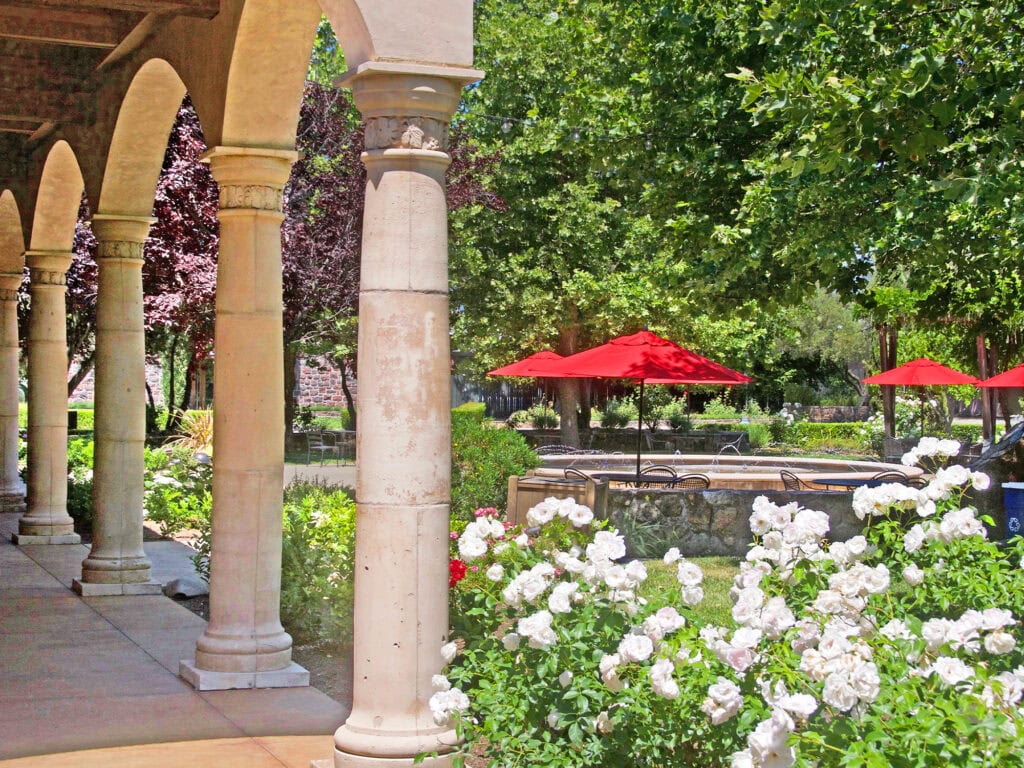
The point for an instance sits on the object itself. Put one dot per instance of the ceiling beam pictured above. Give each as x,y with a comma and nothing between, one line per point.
39,106
16,126
88,28
205,9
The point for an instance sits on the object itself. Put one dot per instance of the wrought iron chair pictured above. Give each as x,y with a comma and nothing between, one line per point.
693,482
890,476
793,483
322,445
662,472
575,474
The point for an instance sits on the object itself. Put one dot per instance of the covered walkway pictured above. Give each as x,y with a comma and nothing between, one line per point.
94,681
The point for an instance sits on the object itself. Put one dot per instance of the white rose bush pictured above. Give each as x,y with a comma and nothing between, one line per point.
899,647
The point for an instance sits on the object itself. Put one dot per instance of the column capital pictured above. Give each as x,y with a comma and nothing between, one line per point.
120,236
407,106
250,177
10,282
48,267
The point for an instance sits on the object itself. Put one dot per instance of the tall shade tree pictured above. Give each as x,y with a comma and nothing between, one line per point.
623,150
894,165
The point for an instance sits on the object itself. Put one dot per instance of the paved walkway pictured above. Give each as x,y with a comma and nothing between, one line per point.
93,681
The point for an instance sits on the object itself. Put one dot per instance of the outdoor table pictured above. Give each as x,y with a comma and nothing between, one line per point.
344,438
848,483
629,478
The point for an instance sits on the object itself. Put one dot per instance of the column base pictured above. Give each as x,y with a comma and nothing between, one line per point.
27,539
292,676
344,760
93,589
12,502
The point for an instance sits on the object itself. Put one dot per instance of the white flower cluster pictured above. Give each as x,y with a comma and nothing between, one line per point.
930,447
577,514
473,541
875,501
689,575
446,700
965,633
955,524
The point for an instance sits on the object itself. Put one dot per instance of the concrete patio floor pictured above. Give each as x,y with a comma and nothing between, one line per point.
93,681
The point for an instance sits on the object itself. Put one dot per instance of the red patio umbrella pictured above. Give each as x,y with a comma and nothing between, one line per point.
921,373
1011,378
528,367
648,359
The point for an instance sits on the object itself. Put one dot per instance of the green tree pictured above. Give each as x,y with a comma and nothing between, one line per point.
622,150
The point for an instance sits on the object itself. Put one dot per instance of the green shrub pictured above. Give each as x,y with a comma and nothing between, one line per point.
317,549
800,393
677,415
179,497
476,411
517,419
718,408
759,435
483,458
966,433
542,416
80,460
618,413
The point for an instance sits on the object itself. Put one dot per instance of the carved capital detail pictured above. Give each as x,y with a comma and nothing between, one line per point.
253,196
48,277
6,294
406,132
125,250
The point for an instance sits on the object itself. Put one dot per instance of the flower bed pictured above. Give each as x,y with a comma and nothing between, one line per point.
899,646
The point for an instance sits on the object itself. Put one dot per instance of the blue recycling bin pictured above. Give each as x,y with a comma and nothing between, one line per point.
1013,504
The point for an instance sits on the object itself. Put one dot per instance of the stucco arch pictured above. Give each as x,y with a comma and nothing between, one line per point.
139,140
12,239
267,72
435,32
57,201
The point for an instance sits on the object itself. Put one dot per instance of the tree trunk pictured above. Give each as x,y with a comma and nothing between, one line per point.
349,400
569,389
988,421
84,367
290,361
887,354
151,426
568,398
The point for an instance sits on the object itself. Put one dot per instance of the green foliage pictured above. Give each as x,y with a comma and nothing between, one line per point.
800,394
720,408
80,461
542,416
179,499
618,413
559,670
483,458
677,415
195,432
759,435
318,547
475,411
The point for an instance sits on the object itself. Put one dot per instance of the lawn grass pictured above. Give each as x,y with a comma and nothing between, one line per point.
716,608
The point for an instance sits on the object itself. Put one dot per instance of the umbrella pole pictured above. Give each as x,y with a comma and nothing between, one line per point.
922,413
639,431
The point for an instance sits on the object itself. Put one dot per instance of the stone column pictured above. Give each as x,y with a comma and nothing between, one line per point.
244,645
47,521
117,564
12,489
404,419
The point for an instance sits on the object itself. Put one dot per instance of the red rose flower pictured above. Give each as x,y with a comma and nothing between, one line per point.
456,571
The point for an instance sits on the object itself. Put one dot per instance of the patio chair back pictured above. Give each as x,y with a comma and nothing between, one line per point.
791,482
693,482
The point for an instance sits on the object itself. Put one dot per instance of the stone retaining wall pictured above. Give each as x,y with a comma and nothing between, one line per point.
703,523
